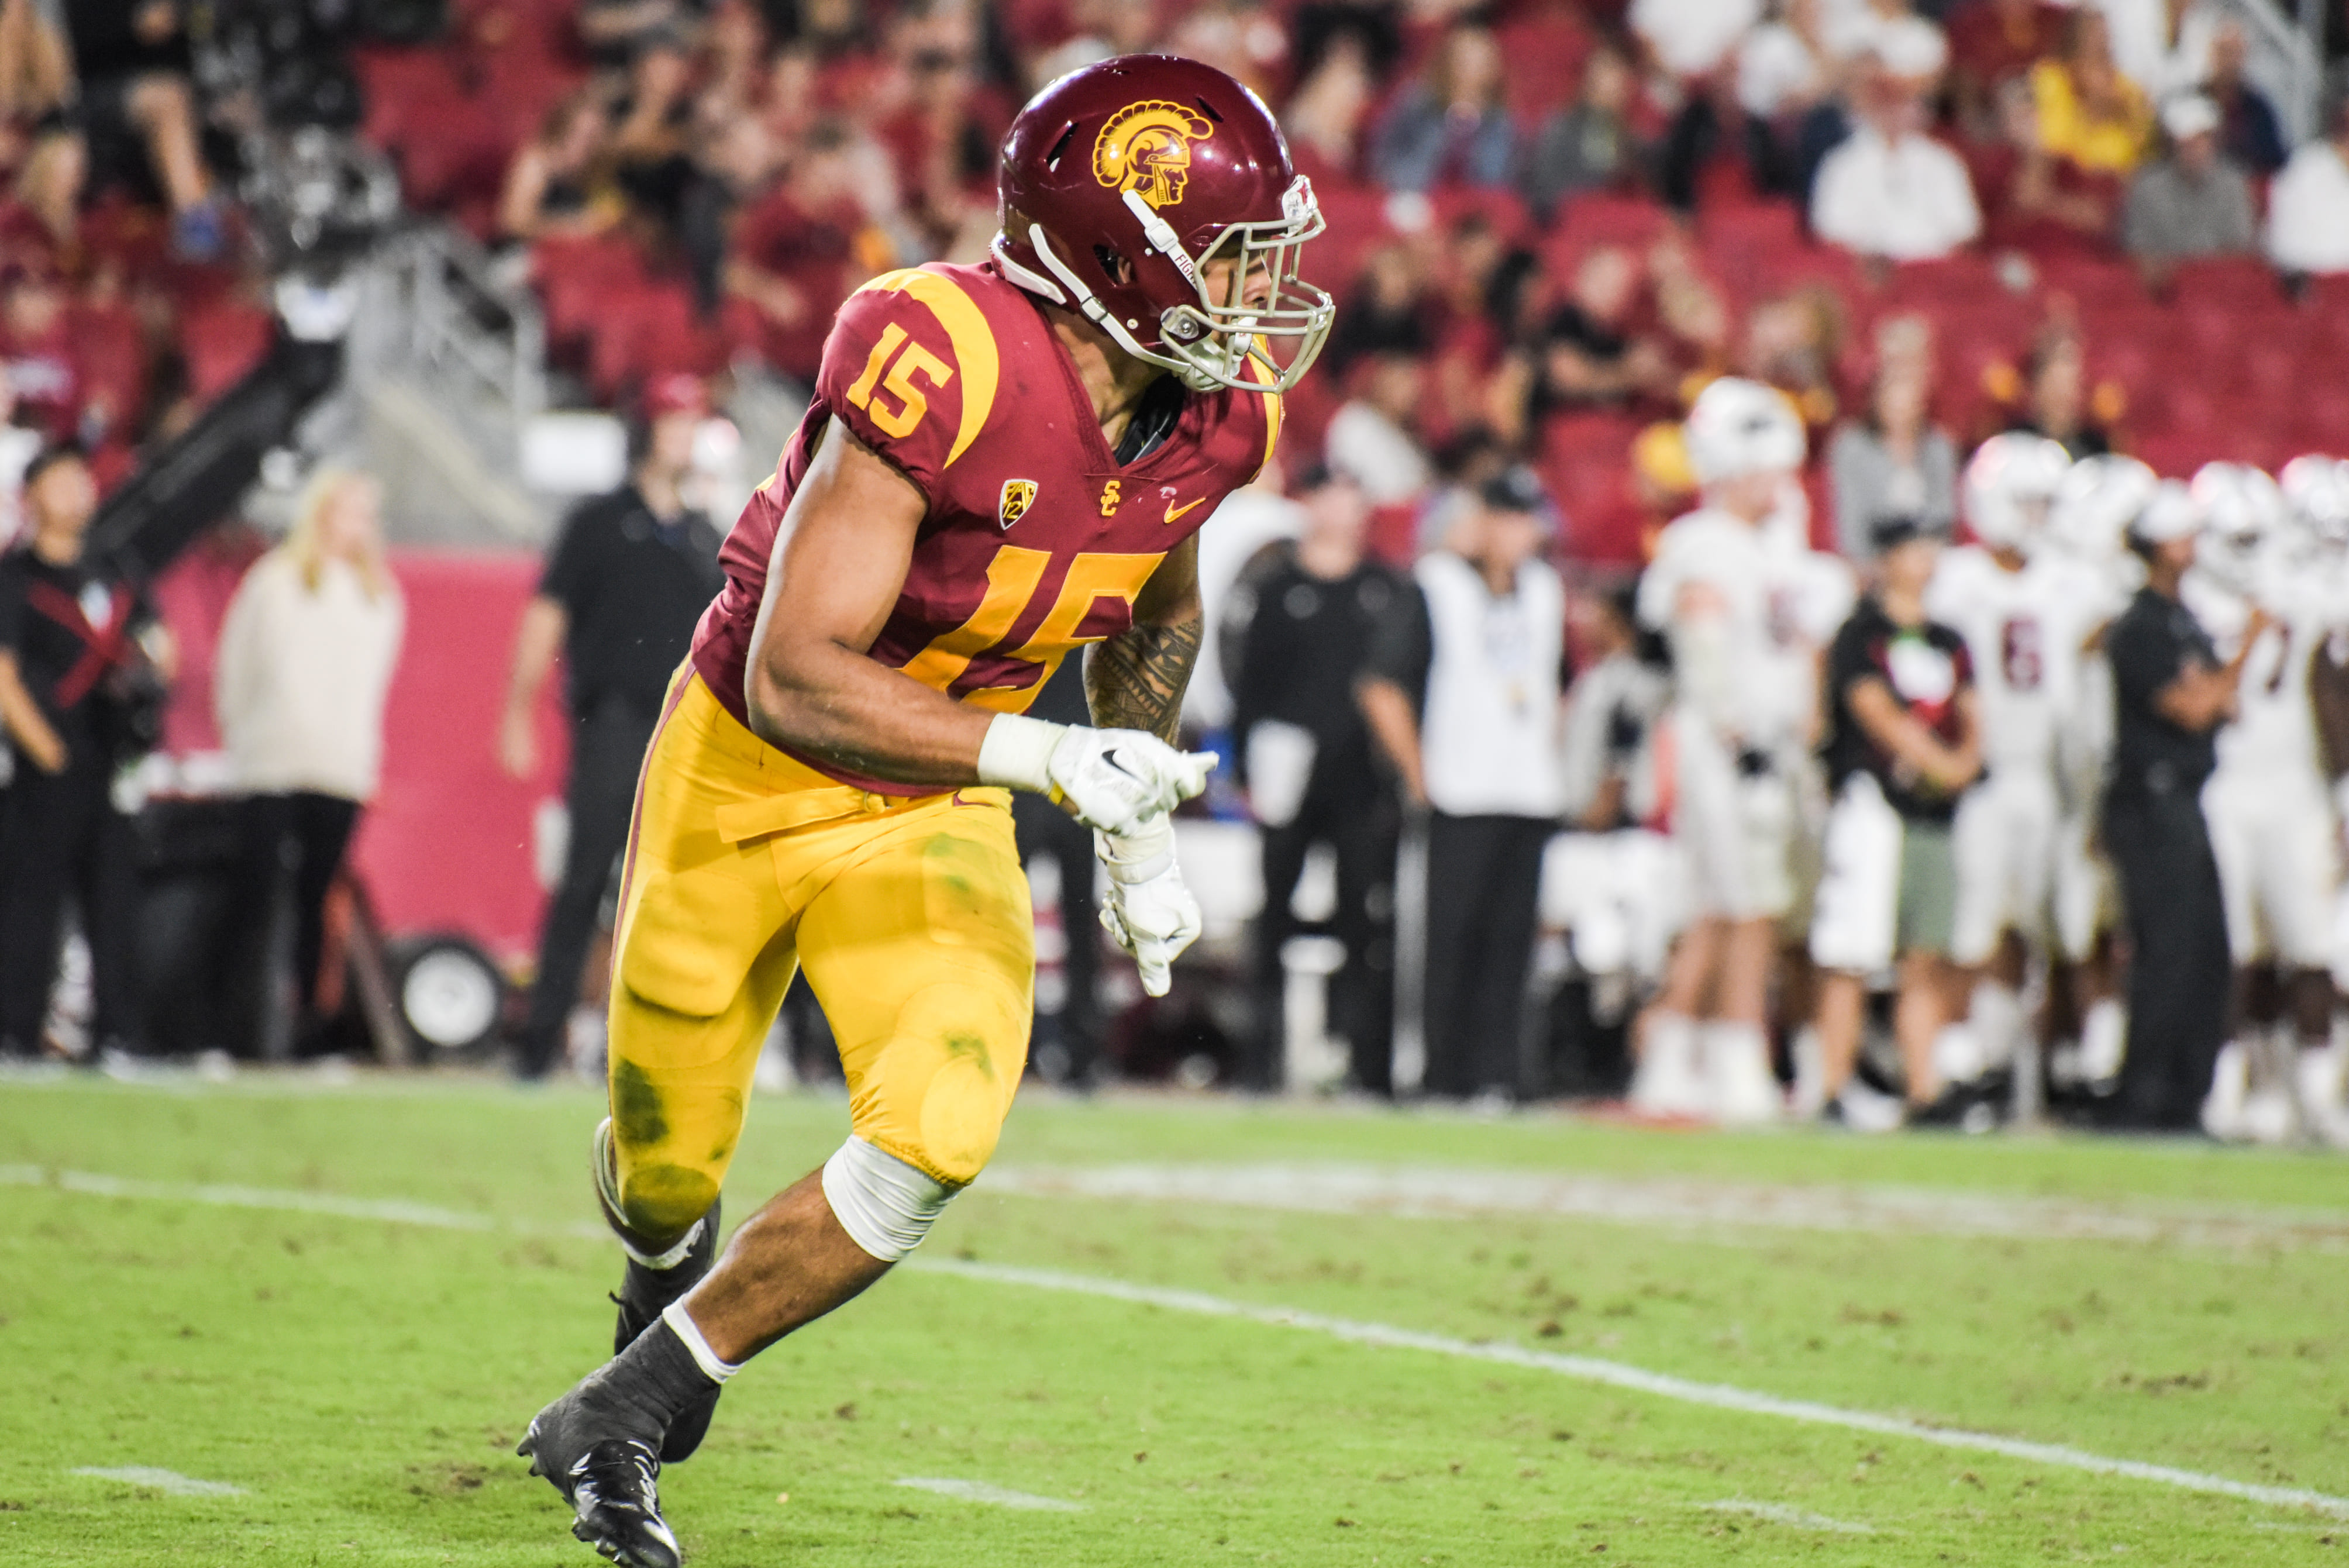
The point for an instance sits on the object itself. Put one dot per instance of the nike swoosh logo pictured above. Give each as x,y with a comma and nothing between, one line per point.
1109,759
1173,512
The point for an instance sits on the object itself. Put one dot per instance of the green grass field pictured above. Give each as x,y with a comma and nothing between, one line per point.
360,1374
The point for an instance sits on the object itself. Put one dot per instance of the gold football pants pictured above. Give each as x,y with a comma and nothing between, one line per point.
911,917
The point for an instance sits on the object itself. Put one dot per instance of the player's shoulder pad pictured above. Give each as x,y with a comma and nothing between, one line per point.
912,367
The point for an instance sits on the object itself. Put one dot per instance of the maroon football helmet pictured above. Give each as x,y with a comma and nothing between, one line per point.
1163,163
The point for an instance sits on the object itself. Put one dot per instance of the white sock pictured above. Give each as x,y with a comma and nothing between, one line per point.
2103,1036
681,1324
1996,1013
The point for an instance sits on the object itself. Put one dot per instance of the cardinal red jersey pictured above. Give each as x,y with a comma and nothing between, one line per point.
1035,541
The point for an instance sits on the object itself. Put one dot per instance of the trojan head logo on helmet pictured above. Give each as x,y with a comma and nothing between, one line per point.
1156,196
1145,148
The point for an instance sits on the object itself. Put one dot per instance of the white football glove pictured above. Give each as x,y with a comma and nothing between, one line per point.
1150,913
1111,781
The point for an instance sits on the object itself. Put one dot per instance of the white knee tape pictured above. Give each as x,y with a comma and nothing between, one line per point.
885,1205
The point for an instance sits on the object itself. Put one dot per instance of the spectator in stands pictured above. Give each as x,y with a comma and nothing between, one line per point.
1992,42
2088,112
35,72
650,143
1587,145
2252,132
2163,46
1324,116
1464,695
2057,401
1591,352
558,186
136,75
1791,342
1904,745
1372,438
797,251
2042,202
302,671
1891,190
1716,152
2308,205
1300,624
1451,126
1785,66
82,664
1893,463
1388,311
1691,39
40,226
37,343
2192,203
624,585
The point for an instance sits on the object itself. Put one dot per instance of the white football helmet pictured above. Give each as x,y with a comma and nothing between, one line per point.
2097,501
1738,427
2243,516
2011,486
2316,492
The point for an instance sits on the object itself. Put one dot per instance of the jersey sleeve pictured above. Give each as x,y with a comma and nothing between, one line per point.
911,367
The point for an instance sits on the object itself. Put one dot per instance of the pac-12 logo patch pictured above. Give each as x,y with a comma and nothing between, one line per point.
1019,495
1145,148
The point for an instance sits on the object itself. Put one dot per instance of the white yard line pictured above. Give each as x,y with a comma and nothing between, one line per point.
1582,1369
1781,1513
170,1481
1441,1192
980,1491
1635,1379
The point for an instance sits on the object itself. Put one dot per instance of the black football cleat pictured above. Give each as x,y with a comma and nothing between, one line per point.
643,1296
612,1483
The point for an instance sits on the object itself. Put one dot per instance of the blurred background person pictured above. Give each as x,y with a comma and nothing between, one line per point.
1891,189
2171,694
1744,694
2190,202
1452,126
1893,460
1904,744
1463,695
2308,205
1299,628
83,664
624,585
301,675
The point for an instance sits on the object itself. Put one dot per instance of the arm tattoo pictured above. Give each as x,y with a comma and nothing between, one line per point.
1135,680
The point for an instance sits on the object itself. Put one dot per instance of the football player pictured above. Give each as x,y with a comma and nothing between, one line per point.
2094,505
2012,603
2267,803
1746,676
1002,463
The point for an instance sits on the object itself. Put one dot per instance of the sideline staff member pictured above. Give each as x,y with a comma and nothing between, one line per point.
628,581
83,664
2170,695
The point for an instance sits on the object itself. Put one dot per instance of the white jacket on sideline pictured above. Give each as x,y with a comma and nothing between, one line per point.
301,679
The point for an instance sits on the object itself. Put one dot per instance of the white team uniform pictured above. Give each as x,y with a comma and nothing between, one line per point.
2267,805
1741,708
2024,631
2087,889
1617,893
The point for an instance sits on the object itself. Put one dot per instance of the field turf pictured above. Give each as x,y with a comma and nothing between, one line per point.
359,1374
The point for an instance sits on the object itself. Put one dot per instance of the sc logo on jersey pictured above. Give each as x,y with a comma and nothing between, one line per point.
1019,495
1145,148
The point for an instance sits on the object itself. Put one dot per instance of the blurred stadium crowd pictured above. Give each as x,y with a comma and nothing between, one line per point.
1553,225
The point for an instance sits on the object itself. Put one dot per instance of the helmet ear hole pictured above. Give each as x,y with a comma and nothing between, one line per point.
1119,270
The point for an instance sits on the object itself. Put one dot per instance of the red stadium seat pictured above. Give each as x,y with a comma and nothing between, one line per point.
1604,219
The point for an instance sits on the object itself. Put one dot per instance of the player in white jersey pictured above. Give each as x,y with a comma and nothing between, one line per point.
2097,501
1742,710
2018,606
2271,826
2317,496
